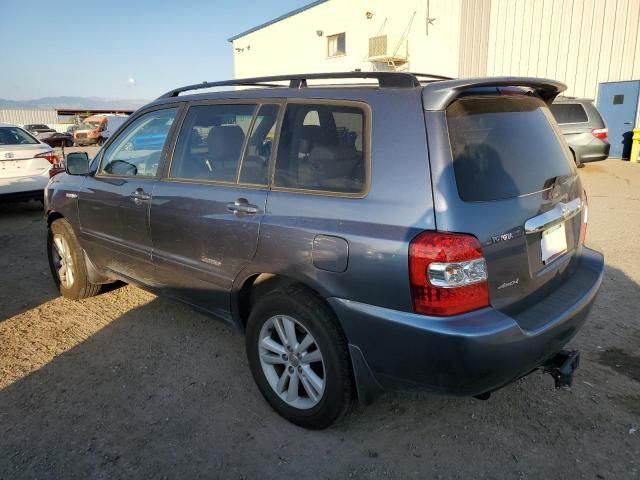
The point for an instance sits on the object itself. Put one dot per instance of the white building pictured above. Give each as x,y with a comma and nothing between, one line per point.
580,42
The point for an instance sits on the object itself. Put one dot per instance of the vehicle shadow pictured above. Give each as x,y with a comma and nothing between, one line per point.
23,261
162,391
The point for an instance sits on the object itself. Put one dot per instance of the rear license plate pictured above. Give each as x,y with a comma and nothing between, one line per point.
554,243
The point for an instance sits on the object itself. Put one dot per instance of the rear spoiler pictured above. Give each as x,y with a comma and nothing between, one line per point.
439,95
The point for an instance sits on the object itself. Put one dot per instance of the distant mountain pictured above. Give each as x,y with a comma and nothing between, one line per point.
90,103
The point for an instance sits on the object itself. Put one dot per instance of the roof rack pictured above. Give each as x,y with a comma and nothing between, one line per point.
385,80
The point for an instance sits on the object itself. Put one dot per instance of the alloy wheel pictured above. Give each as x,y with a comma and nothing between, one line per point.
63,261
292,362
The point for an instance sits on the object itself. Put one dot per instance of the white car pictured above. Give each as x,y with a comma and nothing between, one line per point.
24,164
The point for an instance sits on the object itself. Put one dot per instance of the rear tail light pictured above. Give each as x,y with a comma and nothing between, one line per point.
600,133
51,156
54,160
585,219
448,274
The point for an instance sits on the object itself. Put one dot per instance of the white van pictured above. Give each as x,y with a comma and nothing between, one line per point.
96,129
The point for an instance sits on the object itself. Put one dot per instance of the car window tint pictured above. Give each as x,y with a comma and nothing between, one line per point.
255,163
210,142
136,151
15,136
322,148
491,146
569,113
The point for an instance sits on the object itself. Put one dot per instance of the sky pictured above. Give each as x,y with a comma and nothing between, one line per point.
135,49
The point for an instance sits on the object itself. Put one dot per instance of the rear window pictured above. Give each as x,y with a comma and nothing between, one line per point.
569,113
504,147
16,136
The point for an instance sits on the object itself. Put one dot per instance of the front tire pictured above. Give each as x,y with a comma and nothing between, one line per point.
298,357
67,263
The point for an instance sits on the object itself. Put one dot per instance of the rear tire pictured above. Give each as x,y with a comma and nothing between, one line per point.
67,262
100,142
323,388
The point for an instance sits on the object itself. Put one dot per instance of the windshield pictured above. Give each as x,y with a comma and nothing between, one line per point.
89,125
16,136
504,147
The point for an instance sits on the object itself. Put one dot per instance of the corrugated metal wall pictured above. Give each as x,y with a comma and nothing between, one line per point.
580,42
26,116
474,37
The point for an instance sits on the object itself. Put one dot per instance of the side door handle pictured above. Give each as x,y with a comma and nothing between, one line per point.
139,196
242,205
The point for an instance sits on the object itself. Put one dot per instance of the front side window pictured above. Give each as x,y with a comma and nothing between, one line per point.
138,148
336,45
322,148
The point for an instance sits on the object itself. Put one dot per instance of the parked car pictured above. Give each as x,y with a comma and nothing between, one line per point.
363,239
38,128
583,128
59,139
97,129
24,164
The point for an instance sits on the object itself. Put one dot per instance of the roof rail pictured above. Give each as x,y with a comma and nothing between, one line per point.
385,80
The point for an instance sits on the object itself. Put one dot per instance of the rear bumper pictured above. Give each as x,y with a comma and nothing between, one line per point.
23,187
592,152
467,354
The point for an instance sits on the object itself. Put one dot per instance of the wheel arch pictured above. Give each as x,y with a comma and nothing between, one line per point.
53,215
256,285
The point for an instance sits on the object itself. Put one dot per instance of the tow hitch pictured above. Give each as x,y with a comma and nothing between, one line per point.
561,367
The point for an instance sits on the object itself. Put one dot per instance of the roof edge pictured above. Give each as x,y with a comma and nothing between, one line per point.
276,20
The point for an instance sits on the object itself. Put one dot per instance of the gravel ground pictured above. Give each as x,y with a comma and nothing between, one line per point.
130,385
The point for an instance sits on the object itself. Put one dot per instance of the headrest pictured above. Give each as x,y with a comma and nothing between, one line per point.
225,142
332,161
312,135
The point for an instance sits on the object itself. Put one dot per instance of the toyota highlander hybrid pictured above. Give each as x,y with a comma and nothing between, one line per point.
396,234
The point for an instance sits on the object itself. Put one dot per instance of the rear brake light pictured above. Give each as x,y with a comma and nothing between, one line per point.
54,160
51,156
585,219
600,133
448,274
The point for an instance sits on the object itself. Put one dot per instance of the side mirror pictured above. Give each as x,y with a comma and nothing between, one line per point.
77,163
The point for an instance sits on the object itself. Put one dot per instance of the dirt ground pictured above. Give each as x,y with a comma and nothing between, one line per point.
128,385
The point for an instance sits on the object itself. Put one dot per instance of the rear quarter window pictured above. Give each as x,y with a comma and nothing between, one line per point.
504,147
323,148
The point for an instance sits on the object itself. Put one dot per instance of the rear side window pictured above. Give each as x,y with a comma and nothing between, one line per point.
504,147
210,142
322,148
569,113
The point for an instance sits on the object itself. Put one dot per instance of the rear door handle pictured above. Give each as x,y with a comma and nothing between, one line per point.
139,195
242,205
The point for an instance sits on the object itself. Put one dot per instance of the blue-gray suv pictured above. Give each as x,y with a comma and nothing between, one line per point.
399,233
